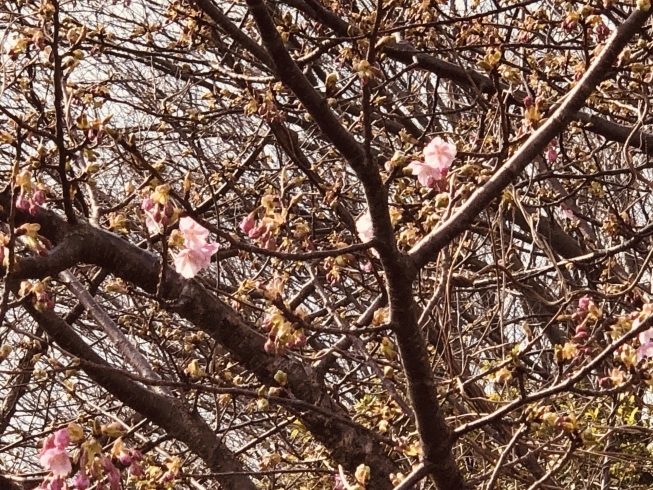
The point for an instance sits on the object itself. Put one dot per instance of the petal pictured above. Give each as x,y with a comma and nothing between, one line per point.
646,336
416,167
645,350
61,438
427,179
184,264
210,248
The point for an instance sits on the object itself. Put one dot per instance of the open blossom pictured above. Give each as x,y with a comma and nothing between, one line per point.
438,157
53,455
190,261
364,227
197,252
195,235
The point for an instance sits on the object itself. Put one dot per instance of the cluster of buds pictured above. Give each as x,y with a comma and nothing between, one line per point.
30,197
174,469
281,333
268,109
532,111
571,21
586,314
601,31
159,208
262,230
94,466
41,298
130,458
55,458
273,345
30,235
366,71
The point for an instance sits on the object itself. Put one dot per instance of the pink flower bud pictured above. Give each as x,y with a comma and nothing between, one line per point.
135,469
270,347
247,223
147,204
301,340
39,197
270,243
56,484
584,303
582,335
22,203
81,481
125,458
602,31
256,232
551,154
605,382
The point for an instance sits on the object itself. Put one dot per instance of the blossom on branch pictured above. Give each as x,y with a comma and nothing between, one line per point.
197,252
195,235
438,157
364,227
53,455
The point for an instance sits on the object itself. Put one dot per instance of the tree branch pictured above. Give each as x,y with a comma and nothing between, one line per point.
430,245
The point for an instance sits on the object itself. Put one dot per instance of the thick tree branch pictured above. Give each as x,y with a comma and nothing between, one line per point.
349,445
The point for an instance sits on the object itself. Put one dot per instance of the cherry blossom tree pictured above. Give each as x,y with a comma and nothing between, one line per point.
336,245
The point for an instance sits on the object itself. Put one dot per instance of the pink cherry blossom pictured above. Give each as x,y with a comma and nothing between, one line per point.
584,303
646,339
22,203
195,235
551,153
56,460
364,227
247,223
61,439
147,204
190,261
81,480
438,156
